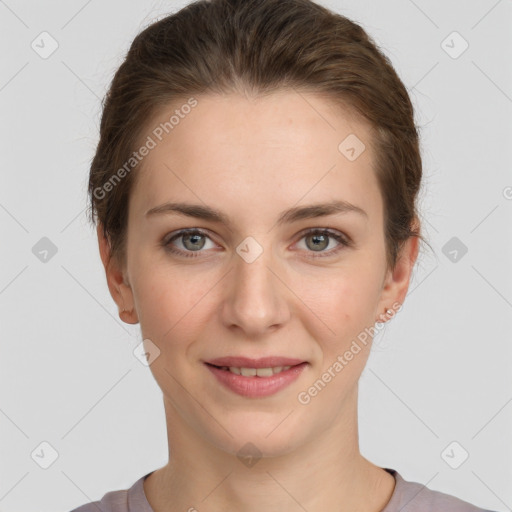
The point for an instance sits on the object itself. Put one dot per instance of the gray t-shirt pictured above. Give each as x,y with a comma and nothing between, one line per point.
407,497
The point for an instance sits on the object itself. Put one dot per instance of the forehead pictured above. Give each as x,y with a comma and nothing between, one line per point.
277,148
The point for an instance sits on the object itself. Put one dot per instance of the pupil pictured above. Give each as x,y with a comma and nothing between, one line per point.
194,237
322,238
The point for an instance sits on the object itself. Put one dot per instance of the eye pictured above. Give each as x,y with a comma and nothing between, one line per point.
318,239
192,240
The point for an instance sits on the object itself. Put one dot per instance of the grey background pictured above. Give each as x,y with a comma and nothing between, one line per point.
439,372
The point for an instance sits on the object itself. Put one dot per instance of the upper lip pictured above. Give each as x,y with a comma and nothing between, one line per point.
263,362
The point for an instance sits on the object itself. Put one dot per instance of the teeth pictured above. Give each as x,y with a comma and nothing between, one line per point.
260,372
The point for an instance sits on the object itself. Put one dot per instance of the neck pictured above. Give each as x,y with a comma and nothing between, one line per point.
326,473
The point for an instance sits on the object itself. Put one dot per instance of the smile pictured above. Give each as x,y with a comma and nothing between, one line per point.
256,382
251,372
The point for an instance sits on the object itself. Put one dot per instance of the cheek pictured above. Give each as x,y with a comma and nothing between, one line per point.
346,307
343,299
171,316
170,306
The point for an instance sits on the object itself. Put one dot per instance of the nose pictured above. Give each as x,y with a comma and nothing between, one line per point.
255,297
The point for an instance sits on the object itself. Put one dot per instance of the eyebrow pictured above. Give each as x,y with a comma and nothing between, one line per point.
288,216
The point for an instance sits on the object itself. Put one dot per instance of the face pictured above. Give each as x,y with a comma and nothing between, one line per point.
258,282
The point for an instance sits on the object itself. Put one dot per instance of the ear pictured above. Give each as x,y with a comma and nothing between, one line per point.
119,287
396,282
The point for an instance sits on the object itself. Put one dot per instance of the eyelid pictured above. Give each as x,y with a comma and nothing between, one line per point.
329,231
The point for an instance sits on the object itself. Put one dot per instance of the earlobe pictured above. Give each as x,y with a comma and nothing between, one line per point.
119,287
128,317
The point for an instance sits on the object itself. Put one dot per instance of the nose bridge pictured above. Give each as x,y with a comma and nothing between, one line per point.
255,298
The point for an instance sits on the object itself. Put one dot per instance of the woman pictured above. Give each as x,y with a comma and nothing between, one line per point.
255,190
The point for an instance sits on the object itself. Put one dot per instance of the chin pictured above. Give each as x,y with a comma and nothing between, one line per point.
253,437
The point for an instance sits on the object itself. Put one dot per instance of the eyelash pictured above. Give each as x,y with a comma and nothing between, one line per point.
342,240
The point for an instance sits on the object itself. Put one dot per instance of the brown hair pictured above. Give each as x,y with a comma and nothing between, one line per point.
224,46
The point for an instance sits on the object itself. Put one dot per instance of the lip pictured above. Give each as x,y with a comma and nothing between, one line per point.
263,362
257,387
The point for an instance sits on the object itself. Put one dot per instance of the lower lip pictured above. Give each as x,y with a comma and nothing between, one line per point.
257,387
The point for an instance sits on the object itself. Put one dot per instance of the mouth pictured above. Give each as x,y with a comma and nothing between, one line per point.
262,362
254,379
255,372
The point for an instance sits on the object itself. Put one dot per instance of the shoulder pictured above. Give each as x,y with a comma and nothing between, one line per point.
413,496
124,500
113,501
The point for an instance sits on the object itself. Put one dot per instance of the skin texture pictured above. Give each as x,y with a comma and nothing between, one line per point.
253,158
